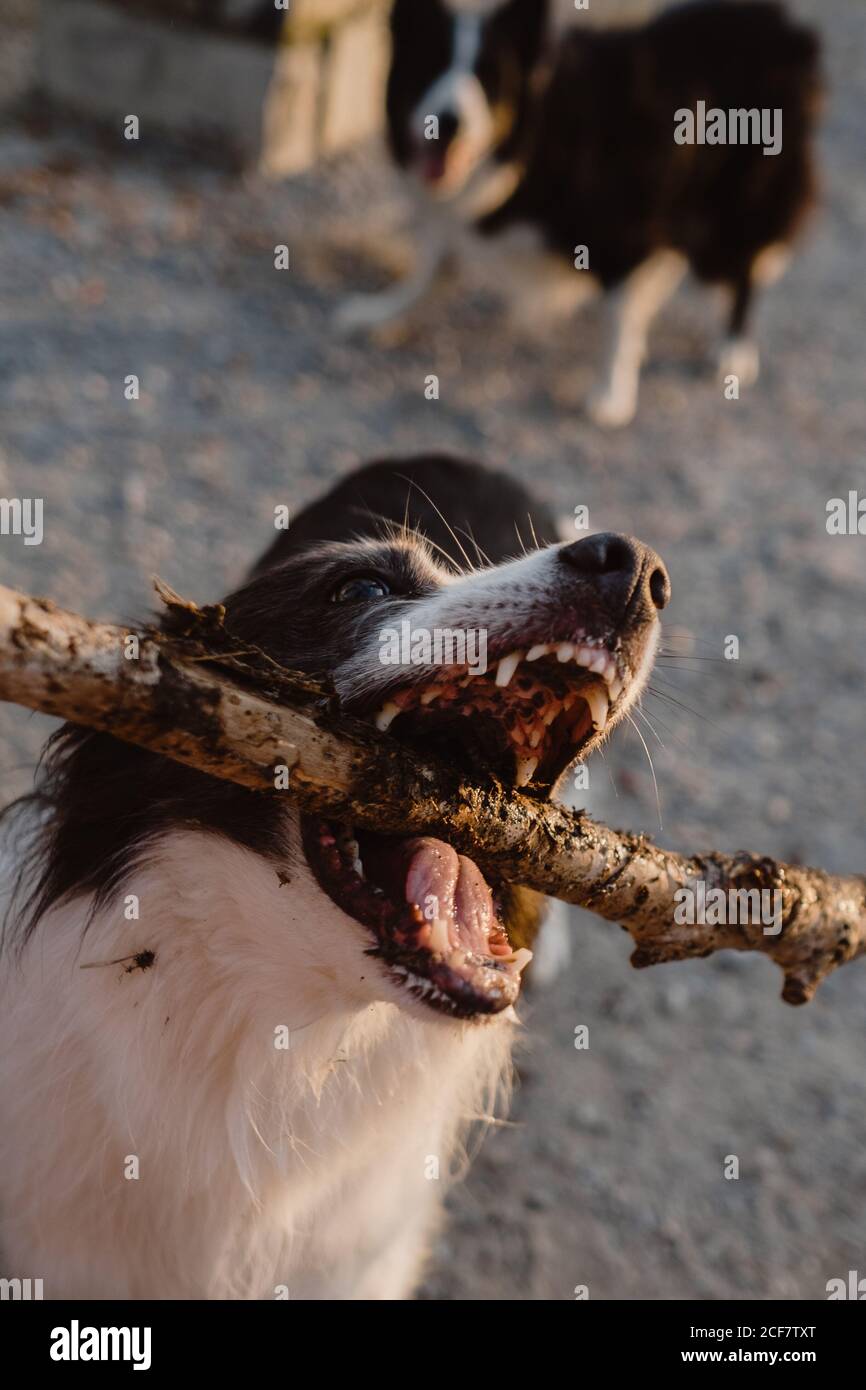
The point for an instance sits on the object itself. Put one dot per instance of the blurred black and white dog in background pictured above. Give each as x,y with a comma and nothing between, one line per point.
260,1085
617,158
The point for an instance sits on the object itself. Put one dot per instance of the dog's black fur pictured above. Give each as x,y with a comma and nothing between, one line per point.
453,502
604,168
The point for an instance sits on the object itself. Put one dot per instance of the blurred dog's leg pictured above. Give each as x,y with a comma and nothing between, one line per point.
633,307
739,354
363,312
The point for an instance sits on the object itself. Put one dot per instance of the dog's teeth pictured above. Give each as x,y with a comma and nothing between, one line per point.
615,686
507,666
599,665
564,651
521,959
358,867
525,769
536,737
438,940
540,649
598,705
430,695
387,714
549,715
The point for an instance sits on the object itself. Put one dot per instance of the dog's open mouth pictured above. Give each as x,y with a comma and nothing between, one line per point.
525,718
434,918
432,165
438,925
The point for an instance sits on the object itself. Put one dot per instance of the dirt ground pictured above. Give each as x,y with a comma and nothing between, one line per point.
120,258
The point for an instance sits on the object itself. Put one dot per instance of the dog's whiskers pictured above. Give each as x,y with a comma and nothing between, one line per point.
642,714
651,768
441,515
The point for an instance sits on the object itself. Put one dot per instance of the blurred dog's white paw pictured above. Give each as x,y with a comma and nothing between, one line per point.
612,408
739,357
360,313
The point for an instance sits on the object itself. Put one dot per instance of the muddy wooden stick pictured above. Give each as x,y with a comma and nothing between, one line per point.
190,693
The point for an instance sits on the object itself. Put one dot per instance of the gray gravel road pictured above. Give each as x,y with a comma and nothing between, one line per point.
117,260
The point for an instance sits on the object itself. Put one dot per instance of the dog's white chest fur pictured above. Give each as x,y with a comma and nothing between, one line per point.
232,1120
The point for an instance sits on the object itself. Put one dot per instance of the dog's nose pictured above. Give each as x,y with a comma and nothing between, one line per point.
625,569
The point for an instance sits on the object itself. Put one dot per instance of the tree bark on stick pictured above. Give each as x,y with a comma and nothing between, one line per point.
187,691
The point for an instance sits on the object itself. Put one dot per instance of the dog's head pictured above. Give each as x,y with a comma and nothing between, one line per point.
460,83
516,670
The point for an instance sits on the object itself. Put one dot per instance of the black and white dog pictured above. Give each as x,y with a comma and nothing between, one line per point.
614,157
258,1088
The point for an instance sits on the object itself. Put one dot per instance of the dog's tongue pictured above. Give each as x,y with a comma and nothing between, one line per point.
432,165
448,888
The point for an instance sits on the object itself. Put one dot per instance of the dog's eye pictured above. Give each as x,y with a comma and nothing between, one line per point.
360,590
